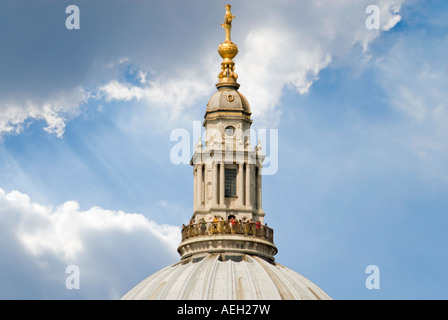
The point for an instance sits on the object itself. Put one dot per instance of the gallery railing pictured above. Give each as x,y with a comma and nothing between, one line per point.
225,227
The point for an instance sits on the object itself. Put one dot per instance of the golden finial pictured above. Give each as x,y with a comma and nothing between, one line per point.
227,25
228,50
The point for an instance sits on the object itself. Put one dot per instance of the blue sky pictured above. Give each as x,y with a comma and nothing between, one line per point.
86,117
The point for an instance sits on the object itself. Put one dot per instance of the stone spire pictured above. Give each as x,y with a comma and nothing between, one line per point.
227,174
228,50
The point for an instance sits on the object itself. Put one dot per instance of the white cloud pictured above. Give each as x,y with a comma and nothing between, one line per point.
411,74
290,51
105,244
288,48
118,62
14,115
115,90
267,69
389,13
168,96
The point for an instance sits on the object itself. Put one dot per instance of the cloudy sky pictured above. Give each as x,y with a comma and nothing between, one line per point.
86,116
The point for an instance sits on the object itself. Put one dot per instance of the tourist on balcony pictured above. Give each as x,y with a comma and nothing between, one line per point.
209,225
232,224
203,226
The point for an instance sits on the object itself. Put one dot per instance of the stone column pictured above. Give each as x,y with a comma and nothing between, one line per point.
240,182
221,183
195,188
259,190
214,184
199,186
248,180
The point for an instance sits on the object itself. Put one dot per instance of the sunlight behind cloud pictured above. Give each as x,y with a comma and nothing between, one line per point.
288,52
55,237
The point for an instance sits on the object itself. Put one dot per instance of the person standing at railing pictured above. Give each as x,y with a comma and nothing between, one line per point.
232,225
210,225
244,226
257,228
249,227
220,224
203,226
215,225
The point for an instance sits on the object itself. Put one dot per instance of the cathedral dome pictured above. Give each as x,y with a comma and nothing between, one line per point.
227,98
226,277
227,250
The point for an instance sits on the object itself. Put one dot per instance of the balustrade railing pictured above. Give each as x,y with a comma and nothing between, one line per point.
226,227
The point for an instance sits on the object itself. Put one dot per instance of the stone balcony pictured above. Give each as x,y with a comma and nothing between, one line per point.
218,237
225,227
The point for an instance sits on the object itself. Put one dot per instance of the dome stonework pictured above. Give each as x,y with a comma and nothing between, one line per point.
228,99
226,277
227,104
